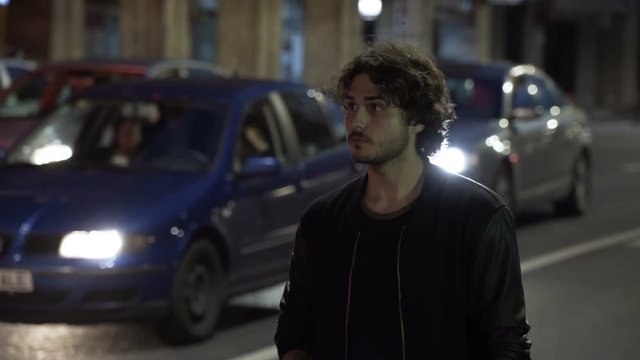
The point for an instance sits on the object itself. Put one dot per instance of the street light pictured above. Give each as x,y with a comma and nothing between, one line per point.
369,9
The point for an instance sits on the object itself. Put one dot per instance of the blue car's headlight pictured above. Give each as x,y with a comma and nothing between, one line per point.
91,244
451,159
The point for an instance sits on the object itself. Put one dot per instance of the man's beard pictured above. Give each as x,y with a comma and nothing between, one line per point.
388,150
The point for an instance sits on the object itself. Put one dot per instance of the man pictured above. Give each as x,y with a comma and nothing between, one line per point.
407,261
126,140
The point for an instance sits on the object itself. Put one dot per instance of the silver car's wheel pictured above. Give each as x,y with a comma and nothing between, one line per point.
579,197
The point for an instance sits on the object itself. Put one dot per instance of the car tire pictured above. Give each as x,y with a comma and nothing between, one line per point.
576,202
198,295
503,186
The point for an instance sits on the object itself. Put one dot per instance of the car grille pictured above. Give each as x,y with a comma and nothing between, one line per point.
5,244
42,244
39,297
111,295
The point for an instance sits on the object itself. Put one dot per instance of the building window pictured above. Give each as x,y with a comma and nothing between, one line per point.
102,23
204,27
292,54
455,40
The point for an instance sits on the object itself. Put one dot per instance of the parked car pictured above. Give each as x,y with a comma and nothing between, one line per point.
26,102
12,69
161,198
518,134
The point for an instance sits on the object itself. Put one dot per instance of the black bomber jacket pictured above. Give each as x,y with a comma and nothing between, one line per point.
458,269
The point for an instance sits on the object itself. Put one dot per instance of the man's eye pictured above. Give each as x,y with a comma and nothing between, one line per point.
374,107
349,107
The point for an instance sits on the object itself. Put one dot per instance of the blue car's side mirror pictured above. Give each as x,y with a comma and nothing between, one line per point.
259,165
3,154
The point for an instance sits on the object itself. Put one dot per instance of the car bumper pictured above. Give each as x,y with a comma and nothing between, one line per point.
69,295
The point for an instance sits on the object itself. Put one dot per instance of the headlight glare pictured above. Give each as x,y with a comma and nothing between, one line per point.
104,244
451,159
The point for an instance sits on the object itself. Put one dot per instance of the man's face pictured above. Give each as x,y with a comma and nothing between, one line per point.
377,130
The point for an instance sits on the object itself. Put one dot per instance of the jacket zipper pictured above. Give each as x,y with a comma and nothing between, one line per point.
404,355
346,321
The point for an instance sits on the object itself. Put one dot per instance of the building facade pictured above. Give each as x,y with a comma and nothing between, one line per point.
589,46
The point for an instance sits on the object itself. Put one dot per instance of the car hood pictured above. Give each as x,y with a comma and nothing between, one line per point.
36,200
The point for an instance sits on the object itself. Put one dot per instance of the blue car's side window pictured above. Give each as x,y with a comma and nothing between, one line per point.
314,131
259,135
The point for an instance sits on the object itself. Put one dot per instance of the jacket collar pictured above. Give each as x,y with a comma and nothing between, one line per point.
433,180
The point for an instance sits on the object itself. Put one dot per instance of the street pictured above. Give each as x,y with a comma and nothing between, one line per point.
579,277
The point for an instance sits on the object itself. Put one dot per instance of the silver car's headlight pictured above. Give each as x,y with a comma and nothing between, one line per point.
103,244
451,159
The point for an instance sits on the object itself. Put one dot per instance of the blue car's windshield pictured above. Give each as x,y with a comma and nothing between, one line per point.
475,98
126,134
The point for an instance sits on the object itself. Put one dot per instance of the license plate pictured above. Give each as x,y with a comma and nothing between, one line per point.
16,280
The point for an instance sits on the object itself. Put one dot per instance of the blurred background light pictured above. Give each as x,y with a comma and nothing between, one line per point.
51,153
507,87
369,9
451,159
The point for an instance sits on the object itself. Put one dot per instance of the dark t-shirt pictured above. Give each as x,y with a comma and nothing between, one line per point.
374,312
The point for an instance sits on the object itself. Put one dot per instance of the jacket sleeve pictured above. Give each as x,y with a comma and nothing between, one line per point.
497,298
294,324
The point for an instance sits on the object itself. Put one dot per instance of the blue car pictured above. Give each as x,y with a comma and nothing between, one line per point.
159,199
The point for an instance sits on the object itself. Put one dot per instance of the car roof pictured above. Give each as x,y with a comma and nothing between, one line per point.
126,66
130,66
19,63
481,70
191,90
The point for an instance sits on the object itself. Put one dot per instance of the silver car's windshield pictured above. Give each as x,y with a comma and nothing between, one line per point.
475,98
125,134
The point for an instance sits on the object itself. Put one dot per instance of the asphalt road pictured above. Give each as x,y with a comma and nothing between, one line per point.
579,274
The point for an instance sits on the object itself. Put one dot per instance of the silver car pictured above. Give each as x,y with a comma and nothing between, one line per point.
518,134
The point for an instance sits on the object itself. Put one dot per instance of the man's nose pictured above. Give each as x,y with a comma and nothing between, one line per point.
360,119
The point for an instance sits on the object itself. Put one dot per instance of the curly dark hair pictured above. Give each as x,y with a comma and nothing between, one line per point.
410,81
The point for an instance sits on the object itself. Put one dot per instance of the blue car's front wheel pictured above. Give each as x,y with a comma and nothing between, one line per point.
199,292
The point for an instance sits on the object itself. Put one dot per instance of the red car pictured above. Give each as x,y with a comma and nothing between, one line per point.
24,104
